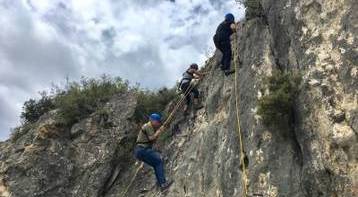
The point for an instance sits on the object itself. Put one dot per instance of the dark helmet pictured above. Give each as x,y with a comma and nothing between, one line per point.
194,66
229,18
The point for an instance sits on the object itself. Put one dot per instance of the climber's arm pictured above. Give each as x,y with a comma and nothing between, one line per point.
233,27
157,133
198,75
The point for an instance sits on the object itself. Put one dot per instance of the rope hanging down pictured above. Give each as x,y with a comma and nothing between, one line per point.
131,182
178,105
167,121
237,103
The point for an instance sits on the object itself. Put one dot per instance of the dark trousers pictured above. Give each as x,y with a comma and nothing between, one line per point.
194,91
152,158
225,48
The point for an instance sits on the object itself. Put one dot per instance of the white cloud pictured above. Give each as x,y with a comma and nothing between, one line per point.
43,41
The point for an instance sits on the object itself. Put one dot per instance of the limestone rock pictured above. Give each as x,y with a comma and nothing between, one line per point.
315,156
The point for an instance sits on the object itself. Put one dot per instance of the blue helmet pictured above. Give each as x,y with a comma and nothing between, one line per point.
229,17
155,117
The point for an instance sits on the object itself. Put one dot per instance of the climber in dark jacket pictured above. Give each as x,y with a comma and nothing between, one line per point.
187,87
223,43
148,134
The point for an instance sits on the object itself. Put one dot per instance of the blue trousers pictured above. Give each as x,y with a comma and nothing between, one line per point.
152,158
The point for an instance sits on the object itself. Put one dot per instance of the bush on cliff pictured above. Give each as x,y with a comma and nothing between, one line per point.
78,100
276,107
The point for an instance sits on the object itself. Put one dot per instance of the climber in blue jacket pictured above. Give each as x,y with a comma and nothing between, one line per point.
223,43
144,151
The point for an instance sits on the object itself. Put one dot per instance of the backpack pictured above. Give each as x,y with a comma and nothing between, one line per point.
216,41
179,89
186,77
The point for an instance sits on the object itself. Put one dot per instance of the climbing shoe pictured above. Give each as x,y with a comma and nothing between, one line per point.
166,186
229,72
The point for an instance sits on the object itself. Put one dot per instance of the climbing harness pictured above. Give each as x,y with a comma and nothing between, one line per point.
167,121
237,103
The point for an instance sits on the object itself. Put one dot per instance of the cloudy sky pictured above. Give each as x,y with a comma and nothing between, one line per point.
146,41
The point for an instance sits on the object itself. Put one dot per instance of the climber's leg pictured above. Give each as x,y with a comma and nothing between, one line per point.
195,92
184,88
157,164
152,158
188,99
221,49
187,103
227,54
226,61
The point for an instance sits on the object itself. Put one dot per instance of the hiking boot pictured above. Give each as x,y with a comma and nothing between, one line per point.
229,72
197,107
166,186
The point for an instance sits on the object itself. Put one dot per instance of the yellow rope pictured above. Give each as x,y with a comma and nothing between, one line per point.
178,105
131,182
237,102
170,117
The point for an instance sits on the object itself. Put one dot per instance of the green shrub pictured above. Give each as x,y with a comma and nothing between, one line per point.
34,109
253,8
79,100
152,101
275,108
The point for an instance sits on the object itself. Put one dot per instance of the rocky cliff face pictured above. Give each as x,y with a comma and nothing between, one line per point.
49,161
315,156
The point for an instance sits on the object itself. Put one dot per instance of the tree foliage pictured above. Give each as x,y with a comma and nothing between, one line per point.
78,100
153,101
34,109
275,108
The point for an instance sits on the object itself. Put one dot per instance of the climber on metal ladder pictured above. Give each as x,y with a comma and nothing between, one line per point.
223,43
187,86
144,151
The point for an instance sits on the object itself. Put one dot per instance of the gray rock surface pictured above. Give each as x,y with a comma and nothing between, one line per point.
316,156
50,161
